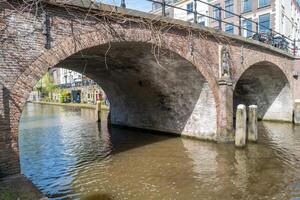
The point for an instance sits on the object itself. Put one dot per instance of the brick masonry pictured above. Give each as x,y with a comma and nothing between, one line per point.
167,80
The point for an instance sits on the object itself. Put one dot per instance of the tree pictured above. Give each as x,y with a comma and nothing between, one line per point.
50,87
46,86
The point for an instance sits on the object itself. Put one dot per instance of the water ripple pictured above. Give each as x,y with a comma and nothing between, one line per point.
68,156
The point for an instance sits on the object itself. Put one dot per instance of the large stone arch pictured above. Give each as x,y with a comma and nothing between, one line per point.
268,86
77,44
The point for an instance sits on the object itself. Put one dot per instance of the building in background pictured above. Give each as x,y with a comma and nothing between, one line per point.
281,16
186,13
81,88
157,8
189,5
68,86
70,81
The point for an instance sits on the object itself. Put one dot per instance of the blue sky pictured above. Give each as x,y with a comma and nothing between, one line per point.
142,5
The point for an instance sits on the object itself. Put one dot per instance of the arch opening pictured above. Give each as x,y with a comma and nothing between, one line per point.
157,91
65,86
168,91
265,85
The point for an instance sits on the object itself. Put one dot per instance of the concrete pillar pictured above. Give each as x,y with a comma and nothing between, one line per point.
98,111
241,126
297,111
252,123
225,125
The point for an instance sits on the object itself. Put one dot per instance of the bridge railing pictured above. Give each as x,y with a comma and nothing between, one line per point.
245,27
261,33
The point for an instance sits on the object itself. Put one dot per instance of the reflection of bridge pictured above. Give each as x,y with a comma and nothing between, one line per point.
158,73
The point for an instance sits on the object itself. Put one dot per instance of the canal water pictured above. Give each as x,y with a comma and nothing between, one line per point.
67,155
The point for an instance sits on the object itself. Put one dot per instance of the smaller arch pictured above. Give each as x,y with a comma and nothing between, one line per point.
263,60
266,85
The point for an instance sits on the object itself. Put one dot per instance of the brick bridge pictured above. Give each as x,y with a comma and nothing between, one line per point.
159,73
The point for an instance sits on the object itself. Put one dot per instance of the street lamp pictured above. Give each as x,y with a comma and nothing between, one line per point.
123,5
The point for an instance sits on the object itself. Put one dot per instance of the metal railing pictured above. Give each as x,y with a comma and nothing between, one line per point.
77,84
257,32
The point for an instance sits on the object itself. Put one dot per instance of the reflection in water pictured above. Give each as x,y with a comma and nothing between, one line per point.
68,156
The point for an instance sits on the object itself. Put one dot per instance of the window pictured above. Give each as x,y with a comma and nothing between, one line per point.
190,8
262,3
247,5
229,28
201,21
216,11
228,7
264,23
247,28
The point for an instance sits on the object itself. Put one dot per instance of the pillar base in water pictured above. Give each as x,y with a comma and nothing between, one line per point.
98,111
297,111
241,126
252,124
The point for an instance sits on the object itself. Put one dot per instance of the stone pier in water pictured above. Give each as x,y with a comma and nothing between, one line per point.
241,126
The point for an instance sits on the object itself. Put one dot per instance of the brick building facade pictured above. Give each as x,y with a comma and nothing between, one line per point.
282,16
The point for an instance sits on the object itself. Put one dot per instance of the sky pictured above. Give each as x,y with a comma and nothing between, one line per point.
142,5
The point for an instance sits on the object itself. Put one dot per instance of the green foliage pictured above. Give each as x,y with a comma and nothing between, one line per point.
63,94
49,86
46,86
8,195
47,99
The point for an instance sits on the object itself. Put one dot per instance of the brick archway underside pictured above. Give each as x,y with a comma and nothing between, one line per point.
164,91
264,84
159,92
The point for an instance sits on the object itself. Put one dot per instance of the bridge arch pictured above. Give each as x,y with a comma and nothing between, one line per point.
178,85
268,86
251,60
